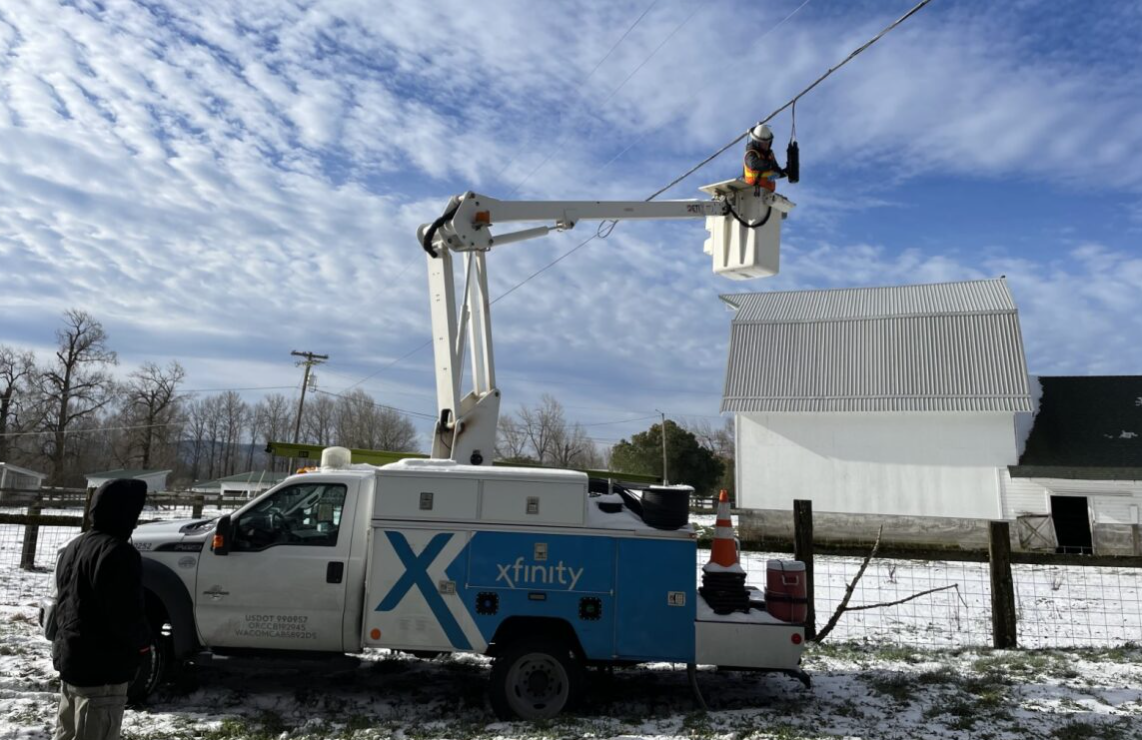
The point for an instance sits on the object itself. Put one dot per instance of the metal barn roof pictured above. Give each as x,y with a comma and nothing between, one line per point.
942,347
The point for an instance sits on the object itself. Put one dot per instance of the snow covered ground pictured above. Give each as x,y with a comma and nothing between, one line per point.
902,672
858,692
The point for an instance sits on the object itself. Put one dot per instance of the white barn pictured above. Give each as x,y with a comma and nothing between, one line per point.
889,405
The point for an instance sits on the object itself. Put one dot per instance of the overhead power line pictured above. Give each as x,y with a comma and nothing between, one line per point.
378,405
612,93
578,89
600,232
759,39
856,52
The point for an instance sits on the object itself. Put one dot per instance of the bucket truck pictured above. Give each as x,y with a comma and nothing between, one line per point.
449,554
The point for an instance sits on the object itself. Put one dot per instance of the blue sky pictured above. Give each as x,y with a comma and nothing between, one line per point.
222,182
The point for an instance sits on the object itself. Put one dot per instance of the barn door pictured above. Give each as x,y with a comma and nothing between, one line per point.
1071,515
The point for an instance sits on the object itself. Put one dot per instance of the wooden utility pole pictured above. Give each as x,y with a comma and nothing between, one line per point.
310,359
665,478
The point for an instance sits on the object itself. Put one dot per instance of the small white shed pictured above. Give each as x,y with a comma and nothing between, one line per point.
878,402
242,484
16,478
156,480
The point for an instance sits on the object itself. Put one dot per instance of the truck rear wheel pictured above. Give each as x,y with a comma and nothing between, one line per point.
535,678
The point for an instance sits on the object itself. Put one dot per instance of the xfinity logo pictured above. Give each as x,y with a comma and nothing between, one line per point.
519,573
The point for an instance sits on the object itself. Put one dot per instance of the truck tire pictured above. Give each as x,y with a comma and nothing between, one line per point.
152,667
535,678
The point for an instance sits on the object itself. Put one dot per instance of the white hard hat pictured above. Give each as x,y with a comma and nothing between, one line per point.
761,132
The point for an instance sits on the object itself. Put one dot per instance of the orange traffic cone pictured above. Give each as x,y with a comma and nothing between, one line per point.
725,548
723,578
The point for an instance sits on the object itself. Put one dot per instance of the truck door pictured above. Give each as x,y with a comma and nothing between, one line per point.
283,584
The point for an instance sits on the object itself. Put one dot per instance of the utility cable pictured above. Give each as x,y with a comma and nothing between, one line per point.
610,225
700,165
552,150
796,97
583,82
371,402
639,140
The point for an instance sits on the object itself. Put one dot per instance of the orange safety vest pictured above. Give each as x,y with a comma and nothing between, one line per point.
757,177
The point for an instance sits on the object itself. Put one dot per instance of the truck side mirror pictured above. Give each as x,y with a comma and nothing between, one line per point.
221,542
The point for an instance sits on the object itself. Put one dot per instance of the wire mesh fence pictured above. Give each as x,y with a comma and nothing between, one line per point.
1057,606
1078,606
32,533
23,586
930,603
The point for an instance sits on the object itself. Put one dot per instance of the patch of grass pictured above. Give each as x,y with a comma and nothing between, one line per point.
1027,664
867,653
848,708
268,726
939,677
990,689
1080,730
899,686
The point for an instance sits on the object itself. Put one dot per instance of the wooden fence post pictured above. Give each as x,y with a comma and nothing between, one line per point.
803,551
196,510
31,539
1003,625
87,510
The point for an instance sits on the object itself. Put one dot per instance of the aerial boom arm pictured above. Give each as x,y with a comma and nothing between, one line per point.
743,241
467,220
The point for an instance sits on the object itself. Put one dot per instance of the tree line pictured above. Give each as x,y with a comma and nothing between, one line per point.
68,415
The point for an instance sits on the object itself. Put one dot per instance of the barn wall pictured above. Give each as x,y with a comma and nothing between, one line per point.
914,464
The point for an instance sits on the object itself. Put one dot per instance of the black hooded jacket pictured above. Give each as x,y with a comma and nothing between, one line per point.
102,626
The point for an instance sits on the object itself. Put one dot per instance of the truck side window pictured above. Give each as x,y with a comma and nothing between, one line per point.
308,514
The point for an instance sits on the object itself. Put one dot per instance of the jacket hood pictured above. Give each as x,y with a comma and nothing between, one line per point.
116,506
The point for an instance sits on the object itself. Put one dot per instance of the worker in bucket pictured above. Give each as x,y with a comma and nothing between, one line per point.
760,167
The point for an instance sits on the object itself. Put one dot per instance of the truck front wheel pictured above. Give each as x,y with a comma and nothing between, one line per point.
535,678
152,667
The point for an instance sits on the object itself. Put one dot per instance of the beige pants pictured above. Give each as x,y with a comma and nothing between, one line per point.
90,712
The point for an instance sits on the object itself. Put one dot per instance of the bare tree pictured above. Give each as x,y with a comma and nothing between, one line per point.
152,414
235,416
542,424
76,385
541,433
320,420
365,424
274,418
17,369
718,440
197,425
511,441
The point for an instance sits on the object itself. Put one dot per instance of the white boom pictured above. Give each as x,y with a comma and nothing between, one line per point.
744,240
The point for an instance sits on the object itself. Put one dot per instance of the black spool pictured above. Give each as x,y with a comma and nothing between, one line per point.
793,162
725,592
666,508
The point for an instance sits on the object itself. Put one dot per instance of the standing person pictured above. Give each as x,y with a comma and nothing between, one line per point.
760,167
101,623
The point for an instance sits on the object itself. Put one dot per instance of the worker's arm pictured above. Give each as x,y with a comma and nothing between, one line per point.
766,165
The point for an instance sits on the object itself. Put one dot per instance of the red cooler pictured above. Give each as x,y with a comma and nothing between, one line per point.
786,592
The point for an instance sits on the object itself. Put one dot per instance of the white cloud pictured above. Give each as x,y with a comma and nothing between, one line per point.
217,182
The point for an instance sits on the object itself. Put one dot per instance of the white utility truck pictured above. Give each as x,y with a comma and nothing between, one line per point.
450,554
